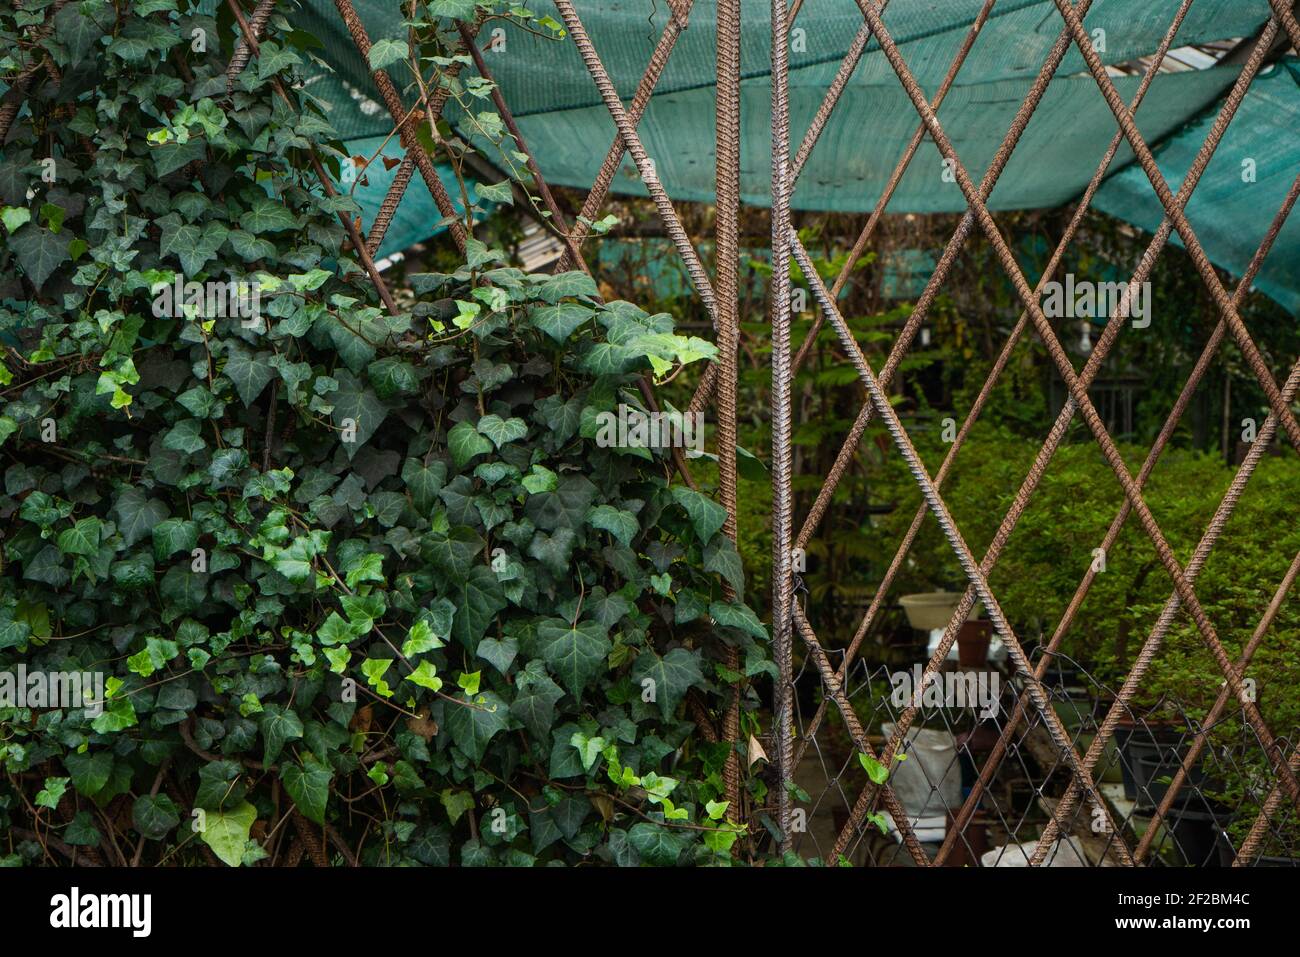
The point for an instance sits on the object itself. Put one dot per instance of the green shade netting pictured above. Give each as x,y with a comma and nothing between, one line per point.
869,132
569,130
417,216
546,76
1229,215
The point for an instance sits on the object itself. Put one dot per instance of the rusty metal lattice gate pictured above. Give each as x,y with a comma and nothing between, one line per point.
793,733
1034,701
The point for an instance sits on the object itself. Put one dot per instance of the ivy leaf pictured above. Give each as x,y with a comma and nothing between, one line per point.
588,748
194,246
250,373
575,283
335,631
575,653
498,653
354,401
50,795
392,378
226,832
706,515
82,831
155,815
720,556
47,567
172,536
279,725
453,553
77,30
496,192
477,252
561,418
385,52
559,321
273,59
294,562
141,37
425,676
249,247
622,525
424,482
876,771
477,602
609,609
219,785
90,771
502,431
454,9
464,442
672,676
420,638
473,724
309,786
540,479
374,669
185,437
40,251
555,551
456,803
82,538
12,633
15,216
170,157
606,358
431,846
658,846
137,515
352,341
365,568
566,507
119,716
534,706
738,616
267,216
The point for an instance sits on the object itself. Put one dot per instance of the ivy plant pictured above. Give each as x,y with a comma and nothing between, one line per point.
354,584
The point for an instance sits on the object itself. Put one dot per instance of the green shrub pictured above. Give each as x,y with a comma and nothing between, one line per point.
1052,547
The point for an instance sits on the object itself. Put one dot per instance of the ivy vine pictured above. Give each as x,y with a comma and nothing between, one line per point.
362,587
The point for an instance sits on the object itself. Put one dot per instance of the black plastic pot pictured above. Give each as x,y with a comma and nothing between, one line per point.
1150,770
1197,831
1136,742
1227,854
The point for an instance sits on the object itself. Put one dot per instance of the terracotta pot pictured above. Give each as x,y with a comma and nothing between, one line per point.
970,845
973,644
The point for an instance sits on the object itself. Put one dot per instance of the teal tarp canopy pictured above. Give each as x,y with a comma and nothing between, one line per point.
569,129
416,217
1242,188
